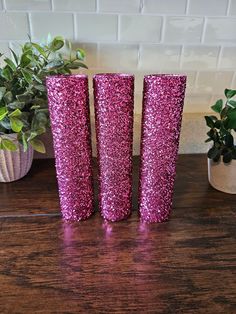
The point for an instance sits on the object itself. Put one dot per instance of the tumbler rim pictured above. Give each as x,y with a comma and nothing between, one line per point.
164,75
66,76
109,74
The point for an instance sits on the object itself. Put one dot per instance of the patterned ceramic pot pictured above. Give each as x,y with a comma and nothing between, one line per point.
15,165
222,176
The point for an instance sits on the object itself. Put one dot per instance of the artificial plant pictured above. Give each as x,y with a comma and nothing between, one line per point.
222,128
23,97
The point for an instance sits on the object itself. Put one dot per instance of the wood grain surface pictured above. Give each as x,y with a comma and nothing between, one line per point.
186,265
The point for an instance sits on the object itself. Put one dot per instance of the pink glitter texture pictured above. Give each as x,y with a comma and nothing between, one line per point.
163,99
69,113
114,104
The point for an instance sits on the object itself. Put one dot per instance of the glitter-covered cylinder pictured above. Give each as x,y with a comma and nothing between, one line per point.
163,100
70,122
114,104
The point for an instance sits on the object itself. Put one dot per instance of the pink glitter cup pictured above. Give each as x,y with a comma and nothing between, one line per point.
163,100
114,104
69,113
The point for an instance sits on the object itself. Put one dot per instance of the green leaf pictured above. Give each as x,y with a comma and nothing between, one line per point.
27,76
8,97
40,49
41,88
229,93
33,59
231,120
9,145
208,140
10,63
33,134
27,47
16,105
25,118
218,124
213,153
227,157
3,113
214,118
15,113
209,121
57,43
44,110
65,71
217,107
38,146
25,60
40,102
6,73
229,140
35,107
26,97
14,55
234,153
80,54
2,92
37,79
77,65
16,124
24,142
224,112
40,120
211,134
5,123
232,103
41,131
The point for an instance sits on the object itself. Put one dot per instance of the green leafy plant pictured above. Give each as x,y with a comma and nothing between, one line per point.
222,128
23,97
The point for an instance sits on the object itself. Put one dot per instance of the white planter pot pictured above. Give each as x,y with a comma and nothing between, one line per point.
222,176
15,165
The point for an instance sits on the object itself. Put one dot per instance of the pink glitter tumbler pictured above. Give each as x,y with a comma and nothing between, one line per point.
114,104
69,113
163,100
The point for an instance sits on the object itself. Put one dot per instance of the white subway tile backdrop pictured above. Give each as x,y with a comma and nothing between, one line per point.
232,7
164,7
196,37
25,5
57,23
183,29
208,7
75,5
96,27
119,6
13,26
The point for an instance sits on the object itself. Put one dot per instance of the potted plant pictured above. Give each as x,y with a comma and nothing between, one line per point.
222,153
23,101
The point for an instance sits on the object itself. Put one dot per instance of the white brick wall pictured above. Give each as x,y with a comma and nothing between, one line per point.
74,5
164,7
140,28
54,23
25,5
196,37
232,8
96,27
208,7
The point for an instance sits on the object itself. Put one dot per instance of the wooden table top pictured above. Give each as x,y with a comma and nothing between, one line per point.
186,265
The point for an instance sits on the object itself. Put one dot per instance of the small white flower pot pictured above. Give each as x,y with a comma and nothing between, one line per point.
222,176
15,165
